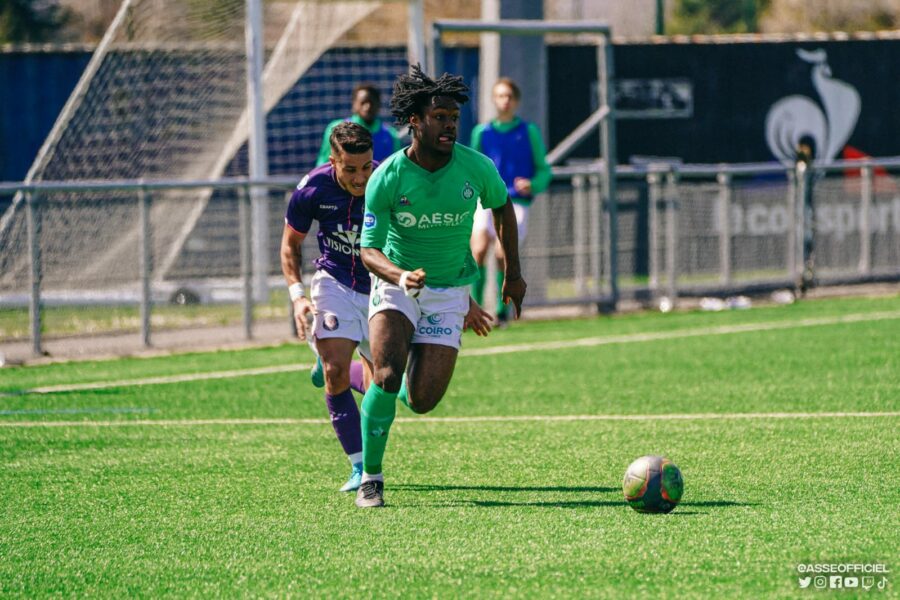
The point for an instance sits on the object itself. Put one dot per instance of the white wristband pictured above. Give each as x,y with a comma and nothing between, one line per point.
402,282
296,291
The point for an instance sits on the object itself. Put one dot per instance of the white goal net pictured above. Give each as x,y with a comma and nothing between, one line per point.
165,97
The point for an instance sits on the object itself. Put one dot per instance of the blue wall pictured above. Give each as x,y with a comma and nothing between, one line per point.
34,86
733,86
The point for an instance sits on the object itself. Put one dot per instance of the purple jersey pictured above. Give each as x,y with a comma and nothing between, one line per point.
319,197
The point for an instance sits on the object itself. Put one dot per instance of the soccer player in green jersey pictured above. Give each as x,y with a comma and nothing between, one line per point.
420,205
517,150
365,107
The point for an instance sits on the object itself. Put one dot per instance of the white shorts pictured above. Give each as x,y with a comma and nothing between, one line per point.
484,220
437,313
341,312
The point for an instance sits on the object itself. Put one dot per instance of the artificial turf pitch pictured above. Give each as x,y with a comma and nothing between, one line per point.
228,487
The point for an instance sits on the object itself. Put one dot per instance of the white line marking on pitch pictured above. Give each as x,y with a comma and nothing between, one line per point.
683,333
508,349
100,385
482,419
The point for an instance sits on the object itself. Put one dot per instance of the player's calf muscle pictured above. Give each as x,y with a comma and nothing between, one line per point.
430,372
424,405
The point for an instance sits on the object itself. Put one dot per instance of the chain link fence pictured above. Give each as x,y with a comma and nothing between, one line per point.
682,231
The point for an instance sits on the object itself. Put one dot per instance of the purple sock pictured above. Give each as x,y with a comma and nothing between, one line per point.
345,420
356,376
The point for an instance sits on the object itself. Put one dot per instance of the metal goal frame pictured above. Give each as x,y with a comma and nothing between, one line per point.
604,117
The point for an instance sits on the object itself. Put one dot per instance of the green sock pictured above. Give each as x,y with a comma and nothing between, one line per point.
378,410
501,308
403,395
478,285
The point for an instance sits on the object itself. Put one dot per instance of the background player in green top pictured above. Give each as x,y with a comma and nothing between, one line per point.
420,205
366,104
516,148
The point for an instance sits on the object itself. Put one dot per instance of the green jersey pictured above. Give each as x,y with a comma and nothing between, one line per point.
424,220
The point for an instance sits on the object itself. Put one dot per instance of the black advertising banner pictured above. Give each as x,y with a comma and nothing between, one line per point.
736,101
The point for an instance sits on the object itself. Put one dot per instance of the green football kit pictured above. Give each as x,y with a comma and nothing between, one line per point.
422,220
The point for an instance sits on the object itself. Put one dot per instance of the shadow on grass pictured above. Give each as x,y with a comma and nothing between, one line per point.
416,487
585,503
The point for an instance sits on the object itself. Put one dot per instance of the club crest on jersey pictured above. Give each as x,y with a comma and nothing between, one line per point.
468,191
369,220
330,322
404,201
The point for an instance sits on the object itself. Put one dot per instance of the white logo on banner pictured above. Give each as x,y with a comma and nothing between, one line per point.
796,116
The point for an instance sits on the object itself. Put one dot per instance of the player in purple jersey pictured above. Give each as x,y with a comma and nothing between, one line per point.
333,195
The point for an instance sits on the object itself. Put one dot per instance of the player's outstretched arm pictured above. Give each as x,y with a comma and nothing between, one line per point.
508,234
379,264
291,260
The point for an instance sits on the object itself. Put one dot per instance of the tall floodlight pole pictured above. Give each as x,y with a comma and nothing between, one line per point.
489,60
259,166
660,17
415,33
604,116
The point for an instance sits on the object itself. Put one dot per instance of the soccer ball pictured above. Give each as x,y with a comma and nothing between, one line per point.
653,484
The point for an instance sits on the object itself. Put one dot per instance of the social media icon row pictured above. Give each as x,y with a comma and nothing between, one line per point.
836,582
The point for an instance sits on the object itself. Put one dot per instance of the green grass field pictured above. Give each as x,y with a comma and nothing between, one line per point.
784,421
58,321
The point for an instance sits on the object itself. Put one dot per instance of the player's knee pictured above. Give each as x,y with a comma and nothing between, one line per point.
336,373
387,378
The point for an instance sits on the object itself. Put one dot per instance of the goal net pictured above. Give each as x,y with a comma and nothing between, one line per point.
165,97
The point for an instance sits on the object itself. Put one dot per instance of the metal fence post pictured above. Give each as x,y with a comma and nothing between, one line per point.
654,194
246,259
803,256
145,266
671,234
606,77
35,308
579,206
595,204
724,180
865,221
795,231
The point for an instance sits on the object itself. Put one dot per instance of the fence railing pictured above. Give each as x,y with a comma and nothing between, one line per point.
83,257
689,230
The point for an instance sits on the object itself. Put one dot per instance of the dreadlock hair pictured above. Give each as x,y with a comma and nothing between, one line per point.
351,138
413,92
